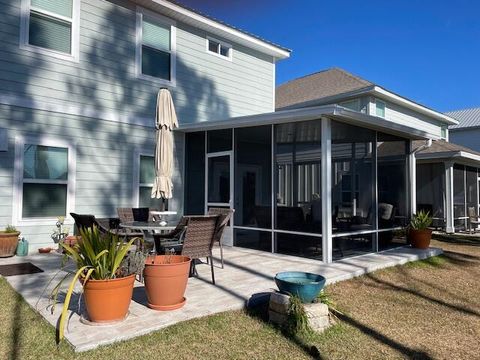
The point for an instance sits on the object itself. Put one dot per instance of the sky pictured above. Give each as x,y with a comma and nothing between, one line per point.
427,51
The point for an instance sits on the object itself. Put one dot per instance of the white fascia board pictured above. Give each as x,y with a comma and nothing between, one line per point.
225,31
451,155
379,91
310,113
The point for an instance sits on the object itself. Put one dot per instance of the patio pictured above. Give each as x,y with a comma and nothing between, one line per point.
246,272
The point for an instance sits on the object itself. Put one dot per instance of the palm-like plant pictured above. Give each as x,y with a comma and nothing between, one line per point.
421,221
97,256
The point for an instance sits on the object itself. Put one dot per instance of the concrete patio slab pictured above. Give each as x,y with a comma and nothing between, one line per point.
246,272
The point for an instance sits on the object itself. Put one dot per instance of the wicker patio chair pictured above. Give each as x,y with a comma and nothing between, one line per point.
172,239
225,215
473,219
198,240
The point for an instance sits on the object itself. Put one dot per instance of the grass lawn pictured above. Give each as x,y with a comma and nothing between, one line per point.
427,309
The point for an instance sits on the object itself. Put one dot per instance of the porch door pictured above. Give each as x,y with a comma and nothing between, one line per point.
219,186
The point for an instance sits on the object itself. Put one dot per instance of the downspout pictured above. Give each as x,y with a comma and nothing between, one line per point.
413,175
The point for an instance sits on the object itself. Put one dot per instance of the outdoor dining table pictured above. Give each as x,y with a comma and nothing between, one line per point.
148,228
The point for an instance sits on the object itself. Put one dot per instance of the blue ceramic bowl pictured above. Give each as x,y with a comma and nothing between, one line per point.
305,285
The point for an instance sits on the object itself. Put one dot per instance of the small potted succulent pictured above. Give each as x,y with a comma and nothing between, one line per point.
106,274
8,241
419,234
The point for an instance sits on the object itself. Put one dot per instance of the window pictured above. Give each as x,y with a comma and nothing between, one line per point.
146,177
44,181
351,104
51,27
219,48
380,108
155,47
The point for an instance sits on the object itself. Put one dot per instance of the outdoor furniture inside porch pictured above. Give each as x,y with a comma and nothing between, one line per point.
473,220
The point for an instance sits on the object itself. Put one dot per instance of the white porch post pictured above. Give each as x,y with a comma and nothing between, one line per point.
449,214
412,167
326,190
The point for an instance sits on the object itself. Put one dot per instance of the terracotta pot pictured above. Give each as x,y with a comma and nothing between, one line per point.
44,250
108,300
8,243
165,284
420,239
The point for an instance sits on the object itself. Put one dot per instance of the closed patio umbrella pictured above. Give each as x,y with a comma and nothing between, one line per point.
165,122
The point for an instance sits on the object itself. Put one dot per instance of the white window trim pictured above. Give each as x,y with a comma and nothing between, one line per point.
136,175
384,108
141,12
18,180
75,40
222,43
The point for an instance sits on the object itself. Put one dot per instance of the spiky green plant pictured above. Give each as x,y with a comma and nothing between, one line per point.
9,229
97,256
421,221
297,319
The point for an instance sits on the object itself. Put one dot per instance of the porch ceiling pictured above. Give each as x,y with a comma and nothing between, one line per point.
334,112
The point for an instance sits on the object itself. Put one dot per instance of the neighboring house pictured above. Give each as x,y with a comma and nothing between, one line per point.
79,80
447,174
467,132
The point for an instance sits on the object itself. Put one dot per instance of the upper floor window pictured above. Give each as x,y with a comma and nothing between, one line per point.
353,104
155,47
379,108
51,27
219,48
44,181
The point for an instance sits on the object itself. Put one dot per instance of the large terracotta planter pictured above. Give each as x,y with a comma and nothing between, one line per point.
108,300
420,239
8,243
165,283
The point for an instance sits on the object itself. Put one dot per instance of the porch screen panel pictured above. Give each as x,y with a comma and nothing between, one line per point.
298,166
253,177
392,188
431,191
195,173
352,178
459,205
471,189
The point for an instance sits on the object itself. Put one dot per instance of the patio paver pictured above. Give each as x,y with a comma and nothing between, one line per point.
246,272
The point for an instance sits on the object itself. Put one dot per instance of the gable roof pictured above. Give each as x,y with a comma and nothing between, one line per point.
322,84
188,15
466,118
335,85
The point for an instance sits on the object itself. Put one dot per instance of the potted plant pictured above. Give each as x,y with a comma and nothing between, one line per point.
103,272
419,234
8,241
165,278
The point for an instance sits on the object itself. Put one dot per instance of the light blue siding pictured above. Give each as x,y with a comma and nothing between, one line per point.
103,82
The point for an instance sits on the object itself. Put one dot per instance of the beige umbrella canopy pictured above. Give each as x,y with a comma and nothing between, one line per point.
165,122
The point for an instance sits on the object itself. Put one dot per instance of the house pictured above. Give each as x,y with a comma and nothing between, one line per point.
467,132
79,83
448,173
79,80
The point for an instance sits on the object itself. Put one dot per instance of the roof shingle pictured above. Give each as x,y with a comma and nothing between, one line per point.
318,85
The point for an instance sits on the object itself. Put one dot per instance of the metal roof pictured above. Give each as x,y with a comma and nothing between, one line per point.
467,118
